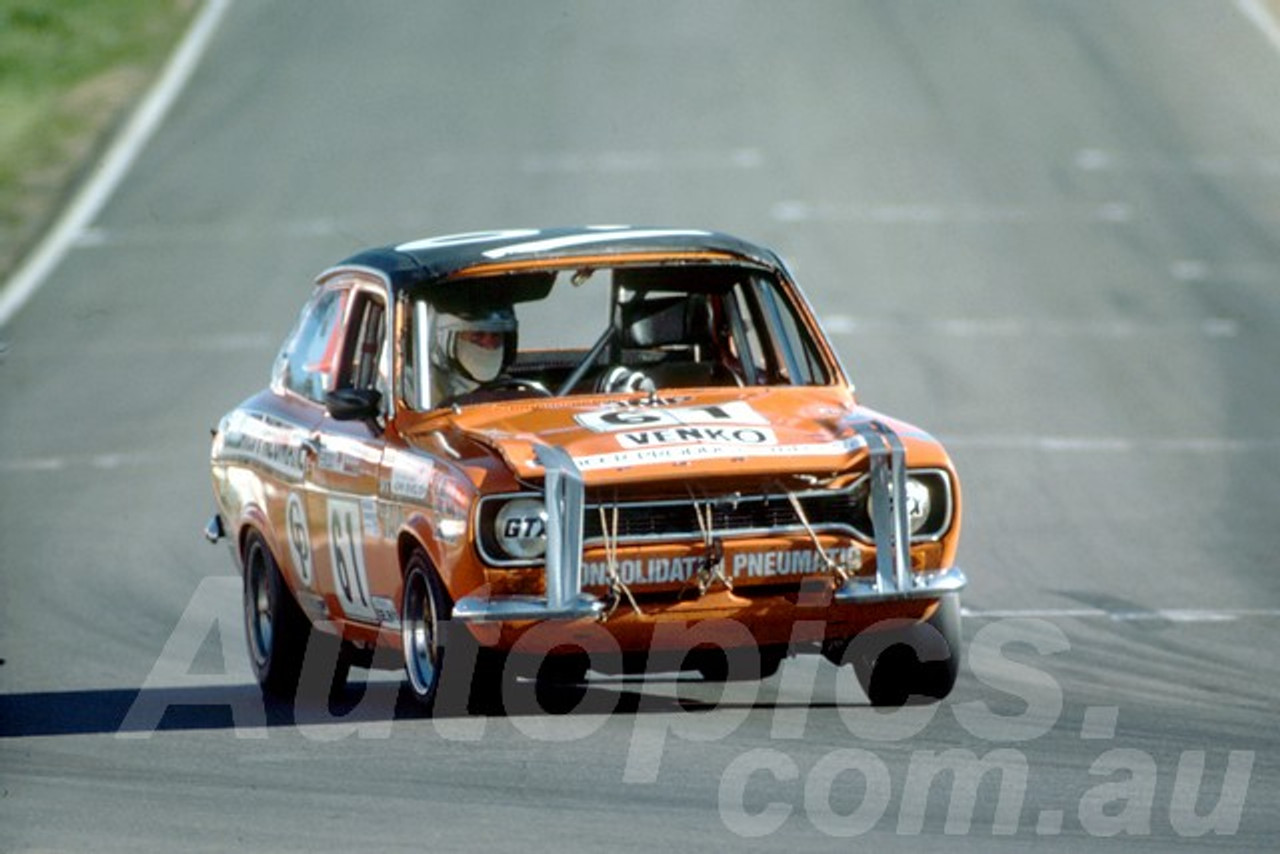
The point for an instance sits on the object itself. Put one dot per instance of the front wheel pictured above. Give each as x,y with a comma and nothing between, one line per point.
916,661
438,653
423,609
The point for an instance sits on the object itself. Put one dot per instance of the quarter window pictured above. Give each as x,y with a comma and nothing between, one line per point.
311,355
364,366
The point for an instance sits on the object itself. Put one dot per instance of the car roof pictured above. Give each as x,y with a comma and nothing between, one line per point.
422,262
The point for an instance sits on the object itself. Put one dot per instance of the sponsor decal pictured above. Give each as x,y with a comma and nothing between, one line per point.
651,401
339,463
748,565
410,475
733,425
269,442
430,486
348,457
615,419
385,610
675,454
369,512
698,435
447,498
295,515
780,564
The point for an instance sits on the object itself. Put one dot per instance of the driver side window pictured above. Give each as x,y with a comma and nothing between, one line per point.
311,356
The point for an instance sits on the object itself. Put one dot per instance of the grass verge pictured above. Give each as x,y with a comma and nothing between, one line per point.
69,71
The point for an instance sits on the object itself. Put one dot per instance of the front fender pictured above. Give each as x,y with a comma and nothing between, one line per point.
454,560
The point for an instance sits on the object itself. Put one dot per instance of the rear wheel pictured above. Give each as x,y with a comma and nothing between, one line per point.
560,683
917,661
275,627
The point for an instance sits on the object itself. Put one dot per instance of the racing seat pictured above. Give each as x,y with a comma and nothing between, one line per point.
679,327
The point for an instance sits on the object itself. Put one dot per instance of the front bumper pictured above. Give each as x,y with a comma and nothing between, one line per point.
512,609
930,584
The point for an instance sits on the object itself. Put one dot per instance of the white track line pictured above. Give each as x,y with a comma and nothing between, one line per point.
1102,328
102,462
1172,615
1262,17
1204,445
89,201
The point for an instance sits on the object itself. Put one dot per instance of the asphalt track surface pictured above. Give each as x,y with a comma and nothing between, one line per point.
1046,231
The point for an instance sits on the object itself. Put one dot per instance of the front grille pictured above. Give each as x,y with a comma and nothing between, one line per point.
676,519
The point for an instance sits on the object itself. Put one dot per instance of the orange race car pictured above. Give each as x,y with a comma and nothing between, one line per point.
534,453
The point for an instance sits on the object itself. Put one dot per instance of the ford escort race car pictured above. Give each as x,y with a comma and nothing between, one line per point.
534,453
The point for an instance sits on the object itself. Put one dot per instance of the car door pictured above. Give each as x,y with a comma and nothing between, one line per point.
303,374
352,546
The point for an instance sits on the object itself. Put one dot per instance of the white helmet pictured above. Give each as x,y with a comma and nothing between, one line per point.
474,348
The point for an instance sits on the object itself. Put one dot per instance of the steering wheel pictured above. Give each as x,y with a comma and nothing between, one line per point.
518,383
622,379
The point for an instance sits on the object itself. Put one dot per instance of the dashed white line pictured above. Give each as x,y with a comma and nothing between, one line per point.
905,213
1100,162
1017,327
1094,160
1198,445
100,462
640,161
1111,212
1192,271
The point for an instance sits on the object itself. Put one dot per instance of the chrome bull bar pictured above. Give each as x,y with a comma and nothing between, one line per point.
565,500
894,579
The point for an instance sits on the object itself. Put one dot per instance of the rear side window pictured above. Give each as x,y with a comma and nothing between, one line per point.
310,356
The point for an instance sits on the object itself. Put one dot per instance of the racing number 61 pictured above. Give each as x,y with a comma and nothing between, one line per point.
346,548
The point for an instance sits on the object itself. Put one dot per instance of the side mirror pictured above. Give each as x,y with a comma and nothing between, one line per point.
354,404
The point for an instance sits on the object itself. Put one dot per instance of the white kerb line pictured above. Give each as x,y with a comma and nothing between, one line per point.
114,165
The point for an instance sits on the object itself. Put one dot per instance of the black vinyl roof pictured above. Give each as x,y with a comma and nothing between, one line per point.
422,262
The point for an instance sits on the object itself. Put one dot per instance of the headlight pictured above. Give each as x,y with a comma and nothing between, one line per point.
920,506
520,528
919,503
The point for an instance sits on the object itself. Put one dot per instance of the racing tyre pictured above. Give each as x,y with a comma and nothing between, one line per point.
917,662
560,684
275,627
429,640
423,609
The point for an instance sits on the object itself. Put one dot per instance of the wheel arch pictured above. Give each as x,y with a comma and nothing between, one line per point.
458,576
253,520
